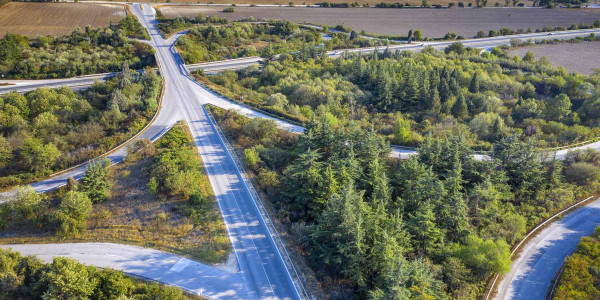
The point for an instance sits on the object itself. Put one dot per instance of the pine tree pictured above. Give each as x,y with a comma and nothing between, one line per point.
339,234
474,85
427,237
454,211
96,180
436,103
460,109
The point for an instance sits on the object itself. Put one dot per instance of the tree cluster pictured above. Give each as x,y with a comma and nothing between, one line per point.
46,130
484,97
29,278
90,51
435,226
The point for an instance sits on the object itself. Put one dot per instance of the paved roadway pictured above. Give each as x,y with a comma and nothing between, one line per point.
151,264
259,260
542,257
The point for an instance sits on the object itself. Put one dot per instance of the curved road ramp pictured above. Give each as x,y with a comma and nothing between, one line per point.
542,257
191,276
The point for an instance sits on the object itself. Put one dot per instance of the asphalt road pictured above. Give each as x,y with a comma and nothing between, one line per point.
542,257
151,264
259,260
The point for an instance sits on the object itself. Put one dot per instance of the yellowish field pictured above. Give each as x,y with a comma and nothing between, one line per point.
27,18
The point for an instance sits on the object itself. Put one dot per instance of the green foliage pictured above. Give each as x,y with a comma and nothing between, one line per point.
73,213
579,277
176,170
47,130
83,52
29,204
484,257
64,278
96,181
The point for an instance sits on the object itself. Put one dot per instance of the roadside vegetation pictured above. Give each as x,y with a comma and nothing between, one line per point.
88,51
579,277
29,278
406,96
243,39
436,226
47,130
159,197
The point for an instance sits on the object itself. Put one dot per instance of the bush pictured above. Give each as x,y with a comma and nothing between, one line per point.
228,10
73,213
96,181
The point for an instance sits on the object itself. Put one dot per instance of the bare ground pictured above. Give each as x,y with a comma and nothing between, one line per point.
28,18
433,23
575,57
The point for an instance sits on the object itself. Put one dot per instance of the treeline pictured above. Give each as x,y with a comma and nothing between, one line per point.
47,130
407,96
168,26
436,226
29,278
579,278
84,52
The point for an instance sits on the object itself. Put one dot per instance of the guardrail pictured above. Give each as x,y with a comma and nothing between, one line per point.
530,233
262,209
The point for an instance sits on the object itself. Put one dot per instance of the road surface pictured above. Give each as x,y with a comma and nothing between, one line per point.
539,260
151,264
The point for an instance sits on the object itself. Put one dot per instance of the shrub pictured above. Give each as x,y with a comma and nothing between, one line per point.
73,212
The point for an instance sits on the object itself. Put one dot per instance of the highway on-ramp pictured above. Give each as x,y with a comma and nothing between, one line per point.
541,258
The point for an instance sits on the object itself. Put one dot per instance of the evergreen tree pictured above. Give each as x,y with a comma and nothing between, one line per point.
460,109
96,181
474,85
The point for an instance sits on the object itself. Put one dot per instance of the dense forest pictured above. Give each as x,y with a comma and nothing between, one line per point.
29,278
436,226
47,130
407,96
83,52
265,39
579,279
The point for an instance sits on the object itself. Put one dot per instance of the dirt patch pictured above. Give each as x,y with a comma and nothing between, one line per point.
33,19
575,57
433,23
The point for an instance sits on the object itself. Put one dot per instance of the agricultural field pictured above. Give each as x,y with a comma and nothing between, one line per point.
434,23
33,19
574,57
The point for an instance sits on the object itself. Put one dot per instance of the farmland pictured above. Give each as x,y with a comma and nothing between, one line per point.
464,21
575,57
33,19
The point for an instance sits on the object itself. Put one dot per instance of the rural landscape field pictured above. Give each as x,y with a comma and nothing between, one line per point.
33,19
434,23
188,150
562,55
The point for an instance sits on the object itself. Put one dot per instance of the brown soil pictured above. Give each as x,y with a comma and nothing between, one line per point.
434,23
28,18
575,57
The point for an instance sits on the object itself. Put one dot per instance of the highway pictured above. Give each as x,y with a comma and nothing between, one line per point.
541,258
259,259
261,265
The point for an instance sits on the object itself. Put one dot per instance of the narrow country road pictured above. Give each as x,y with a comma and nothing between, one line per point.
541,258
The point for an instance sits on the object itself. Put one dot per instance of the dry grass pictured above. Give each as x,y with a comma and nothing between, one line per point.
575,57
31,19
433,23
135,216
